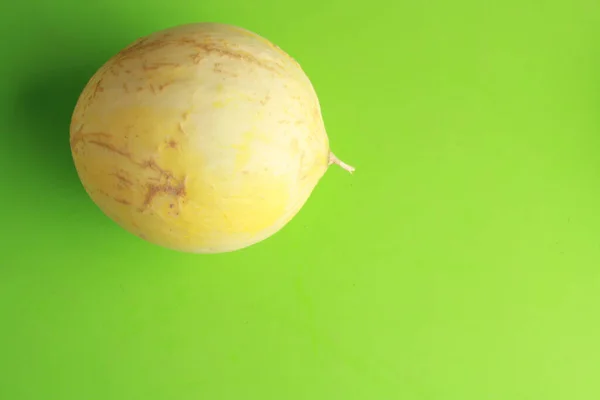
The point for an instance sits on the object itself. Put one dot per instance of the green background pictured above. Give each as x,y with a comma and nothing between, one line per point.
460,262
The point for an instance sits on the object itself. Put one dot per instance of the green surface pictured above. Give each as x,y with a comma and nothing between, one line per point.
460,262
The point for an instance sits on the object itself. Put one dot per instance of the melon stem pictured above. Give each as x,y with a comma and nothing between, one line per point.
334,160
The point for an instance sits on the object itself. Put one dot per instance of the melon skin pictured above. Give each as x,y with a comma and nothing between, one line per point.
201,138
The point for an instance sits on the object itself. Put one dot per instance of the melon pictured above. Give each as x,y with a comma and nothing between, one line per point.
201,138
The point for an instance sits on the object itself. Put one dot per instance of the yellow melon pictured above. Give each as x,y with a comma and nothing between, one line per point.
201,138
